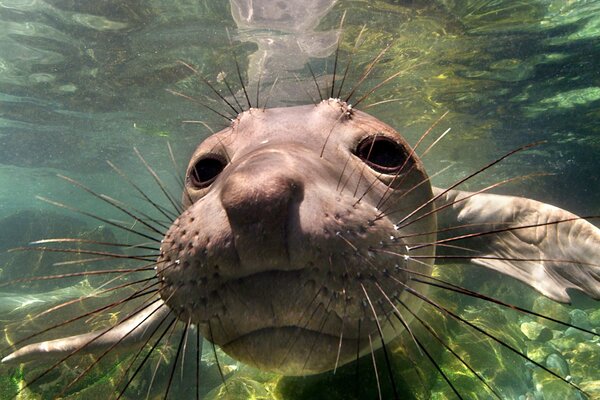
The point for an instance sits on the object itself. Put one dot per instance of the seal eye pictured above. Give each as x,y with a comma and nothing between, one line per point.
382,154
205,171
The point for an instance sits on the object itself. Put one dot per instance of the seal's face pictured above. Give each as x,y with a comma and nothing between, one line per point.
287,250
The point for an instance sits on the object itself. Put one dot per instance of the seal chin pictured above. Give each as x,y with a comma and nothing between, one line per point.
291,350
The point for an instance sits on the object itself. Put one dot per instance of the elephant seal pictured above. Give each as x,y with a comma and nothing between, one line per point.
305,237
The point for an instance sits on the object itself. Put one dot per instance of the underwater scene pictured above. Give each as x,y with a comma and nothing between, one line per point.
103,104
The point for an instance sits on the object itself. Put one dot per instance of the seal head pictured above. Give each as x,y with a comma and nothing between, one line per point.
273,257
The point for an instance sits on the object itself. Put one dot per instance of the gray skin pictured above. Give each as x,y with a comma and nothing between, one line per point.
278,258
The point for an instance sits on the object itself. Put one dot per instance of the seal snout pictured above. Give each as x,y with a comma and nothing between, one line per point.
261,202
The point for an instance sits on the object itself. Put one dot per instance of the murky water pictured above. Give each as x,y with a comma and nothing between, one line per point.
83,82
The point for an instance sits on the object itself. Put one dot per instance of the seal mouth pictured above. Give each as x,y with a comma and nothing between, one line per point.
291,330
292,350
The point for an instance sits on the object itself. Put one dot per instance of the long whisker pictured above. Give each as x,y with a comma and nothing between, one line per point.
461,181
176,206
107,255
63,359
199,343
108,350
312,73
95,242
217,358
466,197
337,53
458,289
154,346
509,229
367,72
386,194
375,367
383,345
484,332
398,314
357,44
98,218
166,213
185,96
144,291
269,94
447,347
380,84
177,354
210,86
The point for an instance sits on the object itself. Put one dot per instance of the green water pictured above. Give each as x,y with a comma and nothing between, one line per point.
82,82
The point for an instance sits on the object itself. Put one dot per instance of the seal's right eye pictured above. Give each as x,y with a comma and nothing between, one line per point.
205,171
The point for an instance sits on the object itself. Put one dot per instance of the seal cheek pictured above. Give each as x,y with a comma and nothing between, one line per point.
260,202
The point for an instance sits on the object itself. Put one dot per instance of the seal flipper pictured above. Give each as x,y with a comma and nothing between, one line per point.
549,255
129,332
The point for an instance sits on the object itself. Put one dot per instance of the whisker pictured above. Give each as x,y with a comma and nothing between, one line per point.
379,103
383,345
380,84
107,351
269,94
95,242
358,356
98,218
176,206
166,213
108,255
337,188
324,319
312,99
178,177
185,96
375,368
458,289
357,43
436,141
509,229
487,334
315,81
56,364
230,90
337,53
367,72
154,346
386,194
398,315
146,290
260,73
447,347
330,132
95,294
468,196
75,274
207,83
217,358
179,347
461,181
199,344
238,69
291,342
439,369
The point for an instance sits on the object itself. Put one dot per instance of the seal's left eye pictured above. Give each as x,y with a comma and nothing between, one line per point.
382,154
205,171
